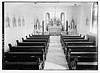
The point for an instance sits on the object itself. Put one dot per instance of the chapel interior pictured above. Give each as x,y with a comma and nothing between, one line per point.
50,35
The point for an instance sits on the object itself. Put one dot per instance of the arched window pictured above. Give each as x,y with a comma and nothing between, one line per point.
93,27
63,18
47,17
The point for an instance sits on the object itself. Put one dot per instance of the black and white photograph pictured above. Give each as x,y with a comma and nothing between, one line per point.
50,35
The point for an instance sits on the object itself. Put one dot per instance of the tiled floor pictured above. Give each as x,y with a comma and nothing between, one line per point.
55,57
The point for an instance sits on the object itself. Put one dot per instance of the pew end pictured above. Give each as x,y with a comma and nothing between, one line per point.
68,55
22,39
88,39
29,35
73,64
9,45
41,64
26,37
17,41
84,36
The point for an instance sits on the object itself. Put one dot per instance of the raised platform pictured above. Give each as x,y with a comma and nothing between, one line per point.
55,30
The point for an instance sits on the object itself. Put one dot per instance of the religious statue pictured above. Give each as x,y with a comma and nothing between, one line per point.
7,21
14,21
72,24
19,21
23,21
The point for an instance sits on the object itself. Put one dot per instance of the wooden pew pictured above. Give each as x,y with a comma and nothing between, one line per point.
39,55
73,37
82,48
63,41
34,40
38,51
26,48
79,43
81,54
85,55
45,44
79,48
42,37
31,43
87,66
76,40
21,66
77,65
19,56
39,35
84,61
21,63
85,58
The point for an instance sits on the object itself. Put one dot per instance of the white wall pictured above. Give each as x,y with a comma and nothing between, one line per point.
16,33
85,12
32,11
70,11
13,33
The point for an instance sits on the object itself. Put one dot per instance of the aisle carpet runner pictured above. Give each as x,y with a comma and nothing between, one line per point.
55,58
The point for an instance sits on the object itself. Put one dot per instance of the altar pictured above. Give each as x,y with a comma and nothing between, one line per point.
54,27
55,30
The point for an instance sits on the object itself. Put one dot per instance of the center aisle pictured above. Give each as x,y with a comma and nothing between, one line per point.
55,58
